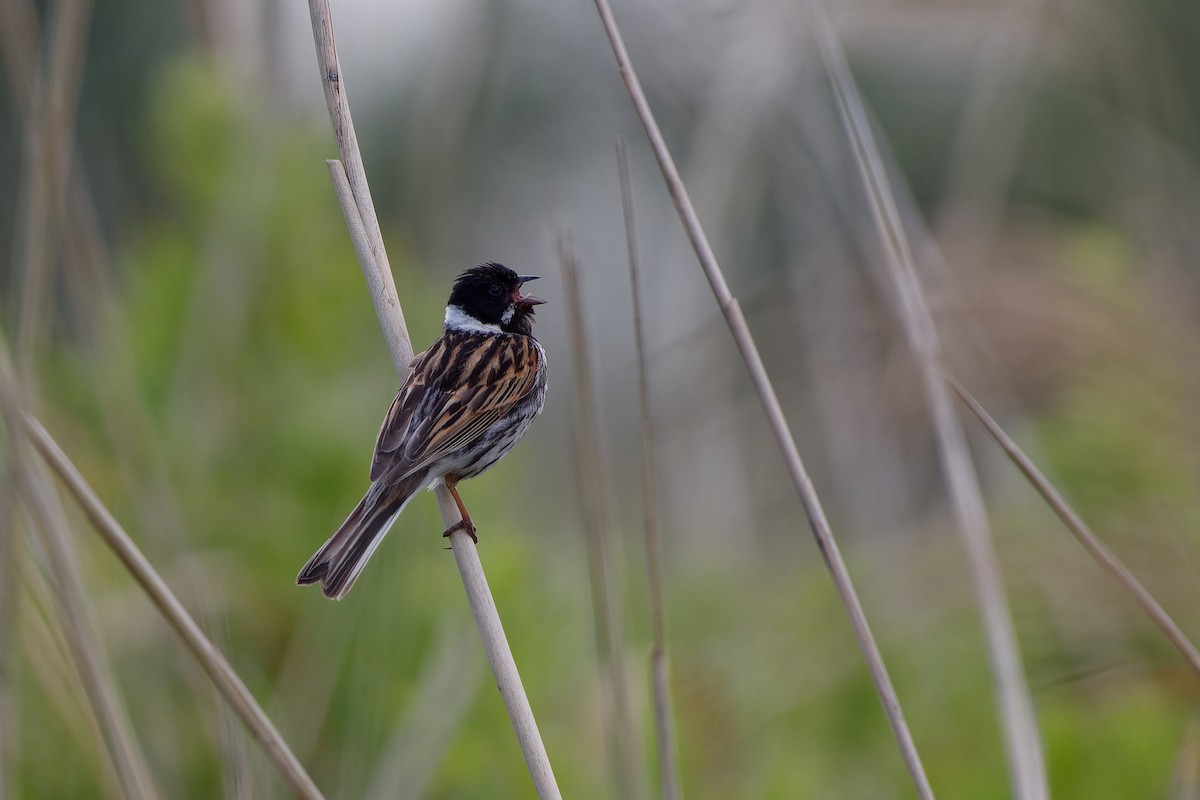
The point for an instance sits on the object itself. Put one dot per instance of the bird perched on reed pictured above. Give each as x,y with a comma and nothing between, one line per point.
467,401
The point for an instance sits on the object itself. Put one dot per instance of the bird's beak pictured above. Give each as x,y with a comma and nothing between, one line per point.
528,300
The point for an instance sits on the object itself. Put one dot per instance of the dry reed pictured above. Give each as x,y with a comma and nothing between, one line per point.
1022,741
774,411
354,195
670,785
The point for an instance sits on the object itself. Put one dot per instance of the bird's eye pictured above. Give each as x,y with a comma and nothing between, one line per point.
495,291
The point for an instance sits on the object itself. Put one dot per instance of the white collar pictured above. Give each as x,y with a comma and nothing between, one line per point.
459,320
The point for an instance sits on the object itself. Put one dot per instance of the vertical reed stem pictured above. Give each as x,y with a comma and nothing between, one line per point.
610,640
660,682
1027,769
774,411
354,195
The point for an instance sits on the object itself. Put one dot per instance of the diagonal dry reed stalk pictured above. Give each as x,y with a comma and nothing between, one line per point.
1022,741
660,670
610,639
354,196
87,649
1078,527
43,645
227,681
47,91
84,262
774,411
9,712
36,494
213,662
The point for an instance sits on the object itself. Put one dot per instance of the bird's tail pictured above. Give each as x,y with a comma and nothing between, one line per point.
337,564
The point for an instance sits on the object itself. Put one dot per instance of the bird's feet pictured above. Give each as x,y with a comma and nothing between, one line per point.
463,524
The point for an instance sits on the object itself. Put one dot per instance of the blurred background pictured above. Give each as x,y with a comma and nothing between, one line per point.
199,339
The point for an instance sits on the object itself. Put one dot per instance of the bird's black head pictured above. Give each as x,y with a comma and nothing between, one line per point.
488,298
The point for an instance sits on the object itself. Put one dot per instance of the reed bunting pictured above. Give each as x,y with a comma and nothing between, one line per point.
468,399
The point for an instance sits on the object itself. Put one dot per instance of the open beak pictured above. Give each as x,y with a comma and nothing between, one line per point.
527,301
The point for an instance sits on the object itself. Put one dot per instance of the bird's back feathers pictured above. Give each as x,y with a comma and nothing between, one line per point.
456,390
467,401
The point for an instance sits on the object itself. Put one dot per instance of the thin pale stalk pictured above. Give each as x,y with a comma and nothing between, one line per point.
48,137
47,89
70,601
466,556
1075,524
387,303
15,464
774,411
44,644
383,292
499,656
610,640
87,648
209,657
9,710
1027,770
354,195
141,465
19,39
660,685
84,260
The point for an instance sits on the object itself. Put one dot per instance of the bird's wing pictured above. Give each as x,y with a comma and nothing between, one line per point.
457,389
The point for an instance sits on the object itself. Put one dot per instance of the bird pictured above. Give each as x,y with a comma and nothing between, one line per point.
467,401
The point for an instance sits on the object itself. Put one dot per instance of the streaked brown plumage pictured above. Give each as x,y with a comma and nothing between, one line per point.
467,401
